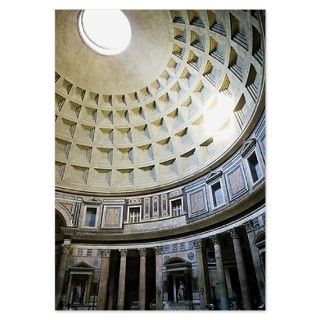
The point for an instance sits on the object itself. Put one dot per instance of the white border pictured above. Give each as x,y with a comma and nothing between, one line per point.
27,59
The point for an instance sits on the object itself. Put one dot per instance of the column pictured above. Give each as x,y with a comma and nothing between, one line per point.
66,250
241,270
142,279
224,299
69,289
159,291
104,279
203,292
256,260
122,278
88,291
231,294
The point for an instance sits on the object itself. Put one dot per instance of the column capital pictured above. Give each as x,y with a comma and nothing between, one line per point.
233,233
143,252
249,226
123,252
197,244
106,253
158,249
66,246
215,239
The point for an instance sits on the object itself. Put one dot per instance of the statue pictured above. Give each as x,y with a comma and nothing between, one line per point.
181,290
78,292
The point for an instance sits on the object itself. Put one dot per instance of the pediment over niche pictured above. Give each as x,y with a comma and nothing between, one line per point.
92,201
247,146
81,266
213,176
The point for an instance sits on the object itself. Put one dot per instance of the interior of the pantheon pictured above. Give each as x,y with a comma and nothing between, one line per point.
160,160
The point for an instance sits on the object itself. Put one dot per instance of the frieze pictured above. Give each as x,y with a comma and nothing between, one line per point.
190,256
164,204
134,201
146,206
94,201
80,252
166,249
175,193
155,207
64,196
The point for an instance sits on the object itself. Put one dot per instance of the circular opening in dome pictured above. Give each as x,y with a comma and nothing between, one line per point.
107,32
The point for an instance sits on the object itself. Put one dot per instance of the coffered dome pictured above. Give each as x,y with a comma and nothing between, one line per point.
179,100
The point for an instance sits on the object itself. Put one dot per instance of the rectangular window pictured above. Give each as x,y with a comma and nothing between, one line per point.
217,195
134,215
176,207
91,217
255,168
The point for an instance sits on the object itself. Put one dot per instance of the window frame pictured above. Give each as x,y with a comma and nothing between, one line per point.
85,215
128,213
254,151
213,197
210,185
171,208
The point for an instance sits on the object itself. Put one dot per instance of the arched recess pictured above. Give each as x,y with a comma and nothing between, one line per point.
64,213
259,240
59,222
179,286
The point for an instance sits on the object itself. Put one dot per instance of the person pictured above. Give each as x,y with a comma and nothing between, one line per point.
181,290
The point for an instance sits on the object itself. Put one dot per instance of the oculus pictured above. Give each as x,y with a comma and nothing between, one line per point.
107,32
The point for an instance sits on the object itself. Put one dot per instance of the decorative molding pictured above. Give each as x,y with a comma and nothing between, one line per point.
247,146
249,226
66,246
123,252
236,181
158,249
213,176
197,202
93,201
67,206
215,239
198,244
105,253
142,252
175,193
155,207
112,216
233,233
134,201
164,204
